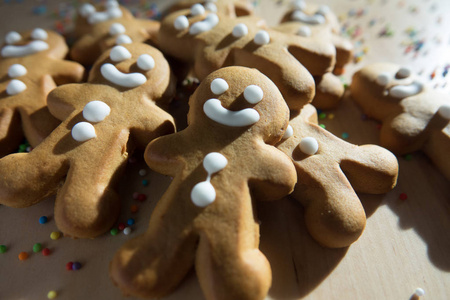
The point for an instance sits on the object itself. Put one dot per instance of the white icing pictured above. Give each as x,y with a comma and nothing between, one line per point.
111,4
12,37
109,14
309,145
211,7
39,34
207,24
289,132
262,38
304,31
181,23
16,70
383,78
203,192
116,28
253,94
323,10
219,86
113,75
15,87
240,30
444,111
197,9
216,112
123,39
299,4
83,131
403,91
404,72
119,53
19,51
96,111
145,62
86,10
419,292
315,19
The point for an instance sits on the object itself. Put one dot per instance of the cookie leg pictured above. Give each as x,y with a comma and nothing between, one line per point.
232,270
153,264
87,205
10,131
329,91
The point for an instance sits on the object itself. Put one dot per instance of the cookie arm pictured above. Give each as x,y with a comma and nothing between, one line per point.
63,71
10,131
163,154
62,101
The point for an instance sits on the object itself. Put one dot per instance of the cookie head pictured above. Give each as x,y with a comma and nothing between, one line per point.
37,41
239,100
133,66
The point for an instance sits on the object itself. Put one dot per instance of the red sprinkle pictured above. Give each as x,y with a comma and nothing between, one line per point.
45,251
141,197
121,226
69,266
403,196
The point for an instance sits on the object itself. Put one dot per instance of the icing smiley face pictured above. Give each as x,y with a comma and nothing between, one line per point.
112,11
399,85
118,30
318,17
37,44
208,23
120,54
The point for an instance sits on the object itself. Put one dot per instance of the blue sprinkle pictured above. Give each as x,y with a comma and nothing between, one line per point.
43,220
130,221
345,135
145,182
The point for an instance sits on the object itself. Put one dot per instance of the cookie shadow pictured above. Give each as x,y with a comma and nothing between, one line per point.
427,207
299,264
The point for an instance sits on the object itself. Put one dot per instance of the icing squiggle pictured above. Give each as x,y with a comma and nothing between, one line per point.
203,192
19,51
403,91
98,17
216,112
131,80
207,24
315,19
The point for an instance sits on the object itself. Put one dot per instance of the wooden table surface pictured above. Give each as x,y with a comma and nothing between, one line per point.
406,243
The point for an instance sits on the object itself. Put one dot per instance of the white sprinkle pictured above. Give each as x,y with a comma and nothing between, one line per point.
142,172
127,230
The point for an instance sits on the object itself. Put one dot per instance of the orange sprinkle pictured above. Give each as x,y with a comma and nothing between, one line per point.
134,208
23,256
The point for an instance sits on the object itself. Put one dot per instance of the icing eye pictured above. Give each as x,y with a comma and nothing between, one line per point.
309,145
119,53
145,62
262,38
403,73
39,34
96,111
219,86
16,70
253,94
86,10
116,28
211,7
12,37
299,4
240,30
181,23
304,31
197,9
383,78
123,39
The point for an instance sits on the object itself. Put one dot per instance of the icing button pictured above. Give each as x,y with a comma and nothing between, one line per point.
181,22
309,145
262,38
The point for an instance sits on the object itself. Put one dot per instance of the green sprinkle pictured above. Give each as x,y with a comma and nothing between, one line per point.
145,182
114,231
345,135
37,247
322,116
408,157
3,248
322,125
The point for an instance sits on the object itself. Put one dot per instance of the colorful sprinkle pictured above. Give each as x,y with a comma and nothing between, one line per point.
130,221
52,295
69,266
322,115
114,231
55,235
23,256
43,220
345,135
142,172
3,249
76,266
403,196
121,226
322,125
46,252
145,182
408,157
37,247
127,231
135,195
331,116
134,208
142,197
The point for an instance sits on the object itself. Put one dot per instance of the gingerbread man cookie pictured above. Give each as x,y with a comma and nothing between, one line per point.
318,22
230,8
414,117
99,30
223,161
329,172
31,65
102,121
211,41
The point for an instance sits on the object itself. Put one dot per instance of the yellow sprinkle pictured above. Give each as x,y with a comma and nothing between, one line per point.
55,235
331,116
52,295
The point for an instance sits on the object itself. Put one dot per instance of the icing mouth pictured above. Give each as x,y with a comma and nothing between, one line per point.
216,112
315,19
131,80
110,13
403,91
19,51
207,24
